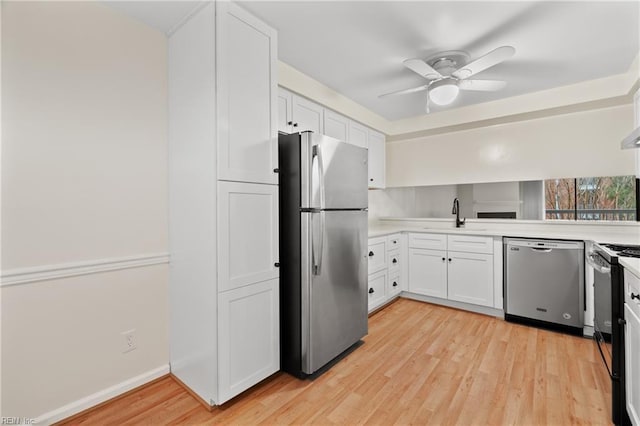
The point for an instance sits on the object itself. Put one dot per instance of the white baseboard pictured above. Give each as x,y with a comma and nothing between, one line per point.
101,396
499,313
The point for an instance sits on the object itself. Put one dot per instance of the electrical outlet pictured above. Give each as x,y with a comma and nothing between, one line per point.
129,340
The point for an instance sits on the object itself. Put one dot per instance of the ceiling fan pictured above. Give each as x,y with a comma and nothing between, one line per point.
447,74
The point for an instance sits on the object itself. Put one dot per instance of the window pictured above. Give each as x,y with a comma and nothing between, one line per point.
591,198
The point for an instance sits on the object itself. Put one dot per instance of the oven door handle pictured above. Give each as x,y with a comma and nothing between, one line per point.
591,260
598,343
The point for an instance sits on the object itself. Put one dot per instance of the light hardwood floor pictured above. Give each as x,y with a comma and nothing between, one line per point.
420,364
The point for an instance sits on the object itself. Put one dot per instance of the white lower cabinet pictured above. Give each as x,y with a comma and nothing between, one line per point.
385,269
394,285
632,346
377,254
470,278
428,272
377,288
248,337
464,276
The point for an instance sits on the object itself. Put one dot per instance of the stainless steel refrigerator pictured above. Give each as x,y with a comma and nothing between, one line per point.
323,243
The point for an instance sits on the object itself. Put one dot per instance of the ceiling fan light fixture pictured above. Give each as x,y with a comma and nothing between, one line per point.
443,92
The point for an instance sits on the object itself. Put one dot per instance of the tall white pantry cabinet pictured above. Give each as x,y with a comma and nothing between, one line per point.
223,197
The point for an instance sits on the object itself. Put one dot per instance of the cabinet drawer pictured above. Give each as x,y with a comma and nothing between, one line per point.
632,287
428,241
393,261
377,254
377,288
393,242
470,244
394,286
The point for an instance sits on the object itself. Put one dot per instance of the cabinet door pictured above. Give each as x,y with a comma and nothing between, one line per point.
470,278
394,261
285,101
248,337
376,160
247,234
377,289
377,254
395,285
336,125
307,115
358,134
632,363
428,272
247,127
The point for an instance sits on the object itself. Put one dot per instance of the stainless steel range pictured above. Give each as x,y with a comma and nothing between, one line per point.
609,318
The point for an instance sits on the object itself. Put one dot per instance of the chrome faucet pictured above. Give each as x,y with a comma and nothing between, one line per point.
456,211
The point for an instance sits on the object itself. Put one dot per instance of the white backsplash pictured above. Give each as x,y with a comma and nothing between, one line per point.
421,201
525,198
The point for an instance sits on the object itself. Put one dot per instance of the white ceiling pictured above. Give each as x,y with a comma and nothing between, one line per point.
357,48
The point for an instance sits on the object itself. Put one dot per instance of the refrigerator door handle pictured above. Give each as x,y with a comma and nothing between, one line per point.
317,153
317,242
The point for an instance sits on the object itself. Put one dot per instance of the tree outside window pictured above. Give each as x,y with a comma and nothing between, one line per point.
591,198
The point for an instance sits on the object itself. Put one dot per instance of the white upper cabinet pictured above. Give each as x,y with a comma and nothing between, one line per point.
307,115
336,125
298,114
246,55
285,113
358,134
377,165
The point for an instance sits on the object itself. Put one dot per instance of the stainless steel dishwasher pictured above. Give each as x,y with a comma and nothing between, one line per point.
544,283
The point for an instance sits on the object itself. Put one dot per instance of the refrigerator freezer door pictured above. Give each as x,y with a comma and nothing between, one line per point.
336,285
339,173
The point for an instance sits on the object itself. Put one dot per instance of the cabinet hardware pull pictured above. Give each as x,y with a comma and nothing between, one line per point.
635,296
295,124
371,291
370,253
394,261
622,321
371,179
395,284
443,259
276,170
449,259
277,264
289,123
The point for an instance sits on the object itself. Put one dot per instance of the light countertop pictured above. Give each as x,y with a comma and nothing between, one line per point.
628,233
632,264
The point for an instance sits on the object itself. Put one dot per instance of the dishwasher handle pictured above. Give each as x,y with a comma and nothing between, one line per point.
541,250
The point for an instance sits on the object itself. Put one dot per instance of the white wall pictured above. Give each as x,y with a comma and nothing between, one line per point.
84,179
569,145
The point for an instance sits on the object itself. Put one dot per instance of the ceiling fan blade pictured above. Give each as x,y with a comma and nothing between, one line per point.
405,91
487,61
481,85
421,67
